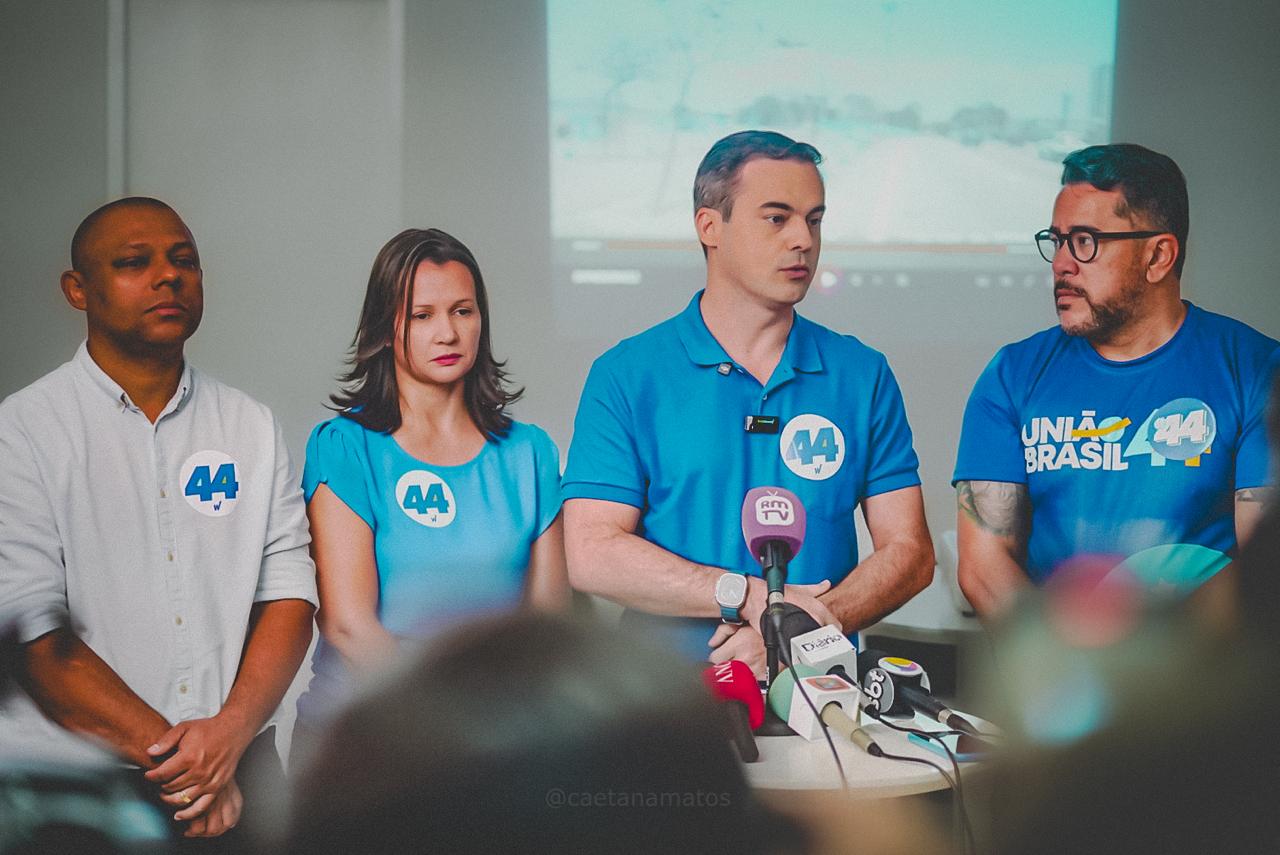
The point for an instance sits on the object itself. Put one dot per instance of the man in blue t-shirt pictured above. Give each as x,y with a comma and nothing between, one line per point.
676,424
1131,435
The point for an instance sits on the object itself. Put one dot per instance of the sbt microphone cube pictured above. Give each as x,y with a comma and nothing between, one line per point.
824,649
822,689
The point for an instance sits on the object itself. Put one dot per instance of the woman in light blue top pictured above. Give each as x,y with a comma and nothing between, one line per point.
428,503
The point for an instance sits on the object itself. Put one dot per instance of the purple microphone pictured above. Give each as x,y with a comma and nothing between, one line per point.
773,526
772,514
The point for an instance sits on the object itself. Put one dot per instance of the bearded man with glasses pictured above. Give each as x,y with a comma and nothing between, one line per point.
1130,438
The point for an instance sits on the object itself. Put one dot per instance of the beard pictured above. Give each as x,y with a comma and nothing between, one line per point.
1106,317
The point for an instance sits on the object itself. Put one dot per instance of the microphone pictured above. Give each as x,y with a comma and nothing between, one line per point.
773,523
827,649
792,623
878,695
735,686
831,696
910,685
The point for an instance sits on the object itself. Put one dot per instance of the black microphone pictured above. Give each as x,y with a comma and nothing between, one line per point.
878,695
784,621
909,685
793,621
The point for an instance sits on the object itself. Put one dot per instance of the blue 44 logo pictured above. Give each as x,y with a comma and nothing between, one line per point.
203,483
806,447
432,500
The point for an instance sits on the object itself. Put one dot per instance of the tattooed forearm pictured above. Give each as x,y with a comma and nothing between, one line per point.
1001,508
1255,494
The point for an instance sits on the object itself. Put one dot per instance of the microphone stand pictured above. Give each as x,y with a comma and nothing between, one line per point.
774,562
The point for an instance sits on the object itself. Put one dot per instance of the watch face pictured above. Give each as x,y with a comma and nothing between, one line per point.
731,590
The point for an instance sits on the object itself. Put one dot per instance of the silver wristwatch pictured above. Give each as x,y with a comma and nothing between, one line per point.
731,596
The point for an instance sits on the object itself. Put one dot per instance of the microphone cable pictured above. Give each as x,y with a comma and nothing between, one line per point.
968,832
966,827
785,656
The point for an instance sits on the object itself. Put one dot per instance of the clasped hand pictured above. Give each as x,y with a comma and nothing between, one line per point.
746,642
198,776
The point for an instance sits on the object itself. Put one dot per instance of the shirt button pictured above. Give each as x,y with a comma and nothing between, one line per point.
170,556
178,620
163,495
182,689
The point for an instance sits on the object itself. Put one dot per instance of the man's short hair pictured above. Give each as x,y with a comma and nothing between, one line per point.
717,176
80,241
1152,185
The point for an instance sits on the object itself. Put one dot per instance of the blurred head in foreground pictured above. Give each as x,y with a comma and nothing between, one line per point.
533,733
1134,728
1259,564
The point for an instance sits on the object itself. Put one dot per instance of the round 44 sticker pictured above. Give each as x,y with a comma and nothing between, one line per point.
210,483
1183,428
425,498
812,446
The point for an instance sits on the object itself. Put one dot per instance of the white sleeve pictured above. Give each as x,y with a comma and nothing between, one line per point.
287,571
33,576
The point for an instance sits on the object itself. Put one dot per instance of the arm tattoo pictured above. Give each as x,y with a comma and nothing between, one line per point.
1255,494
999,507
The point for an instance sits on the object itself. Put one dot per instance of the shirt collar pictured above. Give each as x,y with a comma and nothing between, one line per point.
801,352
116,392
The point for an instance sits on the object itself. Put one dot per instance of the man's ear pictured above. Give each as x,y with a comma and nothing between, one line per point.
73,288
1164,252
707,221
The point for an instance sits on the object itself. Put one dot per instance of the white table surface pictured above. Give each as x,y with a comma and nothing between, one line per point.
795,763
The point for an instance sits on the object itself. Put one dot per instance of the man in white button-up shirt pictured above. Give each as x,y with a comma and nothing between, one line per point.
153,537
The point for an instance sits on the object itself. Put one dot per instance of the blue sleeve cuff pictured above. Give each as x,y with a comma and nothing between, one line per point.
1001,477
889,483
332,461
607,492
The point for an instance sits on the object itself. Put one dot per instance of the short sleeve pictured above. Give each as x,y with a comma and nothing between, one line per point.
892,463
990,435
546,458
334,459
603,462
287,571
33,579
1253,463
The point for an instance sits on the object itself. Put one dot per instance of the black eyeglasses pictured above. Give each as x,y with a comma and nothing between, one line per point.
1081,243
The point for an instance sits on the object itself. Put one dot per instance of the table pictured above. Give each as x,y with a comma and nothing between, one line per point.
795,763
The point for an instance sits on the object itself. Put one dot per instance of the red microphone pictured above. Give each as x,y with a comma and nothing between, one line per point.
735,686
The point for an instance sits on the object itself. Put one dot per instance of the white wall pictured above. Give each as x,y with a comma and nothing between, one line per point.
274,130
53,171
1201,82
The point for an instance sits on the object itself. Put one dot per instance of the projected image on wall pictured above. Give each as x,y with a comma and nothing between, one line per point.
942,126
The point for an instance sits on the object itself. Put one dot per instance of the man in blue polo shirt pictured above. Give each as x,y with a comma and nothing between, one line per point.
662,454
1133,432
